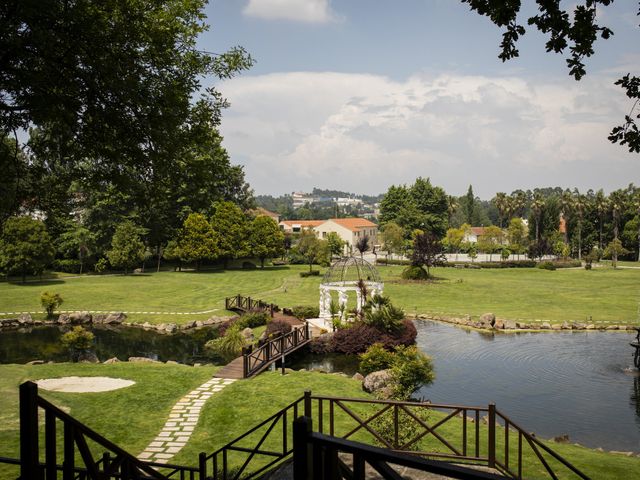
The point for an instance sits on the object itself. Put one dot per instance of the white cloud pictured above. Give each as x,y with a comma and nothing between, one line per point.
361,133
310,11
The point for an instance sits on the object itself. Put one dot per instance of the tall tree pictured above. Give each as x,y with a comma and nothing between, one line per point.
362,245
580,205
335,244
427,251
393,238
231,226
25,247
566,207
77,242
617,203
501,203
309,247
266,240
537,207
601,204
468,205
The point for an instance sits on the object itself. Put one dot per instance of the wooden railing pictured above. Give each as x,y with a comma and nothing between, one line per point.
78,440
239,303
256,359
476,436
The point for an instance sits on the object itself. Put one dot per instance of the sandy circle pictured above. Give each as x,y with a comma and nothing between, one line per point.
83,384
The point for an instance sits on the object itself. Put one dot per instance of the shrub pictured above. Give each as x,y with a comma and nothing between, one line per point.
567,263
320,344
302,312
361,336
312,273
408,427
411,369
66,265
391,261
228,346
375,358
276,263
50,301
380,313
78,338
101,265
546,266
253,319
277,328
413,272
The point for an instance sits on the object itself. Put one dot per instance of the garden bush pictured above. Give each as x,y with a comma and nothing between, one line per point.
228,346
567,263
546,266
50,301
312,273
374,359
380,312
253,319
66,265
78,338
277,328
321,344
392,261
413,272
359,337
302,312
408,427
410,369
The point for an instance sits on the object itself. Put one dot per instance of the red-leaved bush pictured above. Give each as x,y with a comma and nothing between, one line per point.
277,328
360,336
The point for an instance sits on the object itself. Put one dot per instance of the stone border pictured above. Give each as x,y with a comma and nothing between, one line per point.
114,319
182,422
489,323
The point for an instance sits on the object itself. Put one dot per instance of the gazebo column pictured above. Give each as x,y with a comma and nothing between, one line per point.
324,311
343,297
358,300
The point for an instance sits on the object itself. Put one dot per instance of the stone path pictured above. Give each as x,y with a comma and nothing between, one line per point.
182,422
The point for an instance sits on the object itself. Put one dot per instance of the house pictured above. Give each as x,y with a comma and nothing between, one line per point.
350,230
299,199
296,226
473,234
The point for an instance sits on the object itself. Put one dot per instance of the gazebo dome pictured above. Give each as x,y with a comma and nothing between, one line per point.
349,271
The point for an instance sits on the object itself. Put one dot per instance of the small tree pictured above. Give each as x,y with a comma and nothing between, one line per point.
232,228
266,240
454,239
197,240
25,247
127,249
472,251
335,244
229,346
505,253
50,301
614,250
393,238
427,252
309,247
362,245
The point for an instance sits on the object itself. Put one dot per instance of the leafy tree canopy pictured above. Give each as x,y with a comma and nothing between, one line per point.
266,240
127,249
25,247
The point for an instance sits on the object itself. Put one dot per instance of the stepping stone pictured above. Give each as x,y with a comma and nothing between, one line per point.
156,444
173,449
145,455
155,449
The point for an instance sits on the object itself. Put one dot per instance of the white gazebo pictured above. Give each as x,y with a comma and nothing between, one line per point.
347,275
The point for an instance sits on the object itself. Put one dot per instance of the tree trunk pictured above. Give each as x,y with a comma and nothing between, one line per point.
580,240
261,262
81,265
614,254
197,266
159,258
600,232
310,267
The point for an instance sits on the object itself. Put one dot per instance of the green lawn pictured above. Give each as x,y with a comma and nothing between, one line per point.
601,295
132,417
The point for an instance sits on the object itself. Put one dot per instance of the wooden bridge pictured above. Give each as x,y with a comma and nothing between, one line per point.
257,359
241,304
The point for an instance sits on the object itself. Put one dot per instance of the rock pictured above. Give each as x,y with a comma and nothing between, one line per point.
565,326
499,324
488,319
25,319
142,360
80,317
545,326
36,362
288,371
377,381
99,318
170,328
88,356
561,438
111,360
626,454
172,362
556,326
612,327
522,325
138,270
115,318
199,323
579,326
197,364
63,319
358,376
247,333
591,326
38,322
509,325
188,325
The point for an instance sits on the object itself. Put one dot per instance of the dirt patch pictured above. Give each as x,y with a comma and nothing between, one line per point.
83,384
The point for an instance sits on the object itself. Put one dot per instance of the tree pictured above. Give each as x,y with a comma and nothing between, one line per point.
566,208
613,250
78,242
579,35
309,248
335,244
501,203
393,238
197,240
468,205
362,245
491,240
580,205
601,204
427,251
617,201
517,235
231,227
127,249
454,239
50,301
25,247
537,208
266,240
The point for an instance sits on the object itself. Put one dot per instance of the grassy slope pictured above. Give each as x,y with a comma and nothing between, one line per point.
605,295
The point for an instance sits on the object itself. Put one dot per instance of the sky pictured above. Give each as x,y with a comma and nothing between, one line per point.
357,95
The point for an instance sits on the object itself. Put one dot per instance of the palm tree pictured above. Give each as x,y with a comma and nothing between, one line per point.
617,201
500,201
566,204
518,202
636,206
601,204
537,205
452,206
580,204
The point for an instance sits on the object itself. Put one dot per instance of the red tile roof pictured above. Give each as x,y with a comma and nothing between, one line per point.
354,223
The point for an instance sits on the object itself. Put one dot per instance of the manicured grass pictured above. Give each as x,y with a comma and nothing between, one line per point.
602,295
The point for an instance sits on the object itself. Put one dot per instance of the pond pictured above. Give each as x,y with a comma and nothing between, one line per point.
577,383
43,343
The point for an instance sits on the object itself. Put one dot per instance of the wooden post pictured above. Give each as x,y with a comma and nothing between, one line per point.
307,403
29,453
202,465
492,435
282,352
50,452
69,459
245,362
302,469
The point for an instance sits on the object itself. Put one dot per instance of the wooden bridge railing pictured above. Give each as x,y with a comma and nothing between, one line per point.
255,360
238,303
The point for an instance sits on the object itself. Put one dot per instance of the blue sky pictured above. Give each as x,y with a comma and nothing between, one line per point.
360,94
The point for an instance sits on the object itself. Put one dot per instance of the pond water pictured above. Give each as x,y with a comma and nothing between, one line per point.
43,343
578,383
